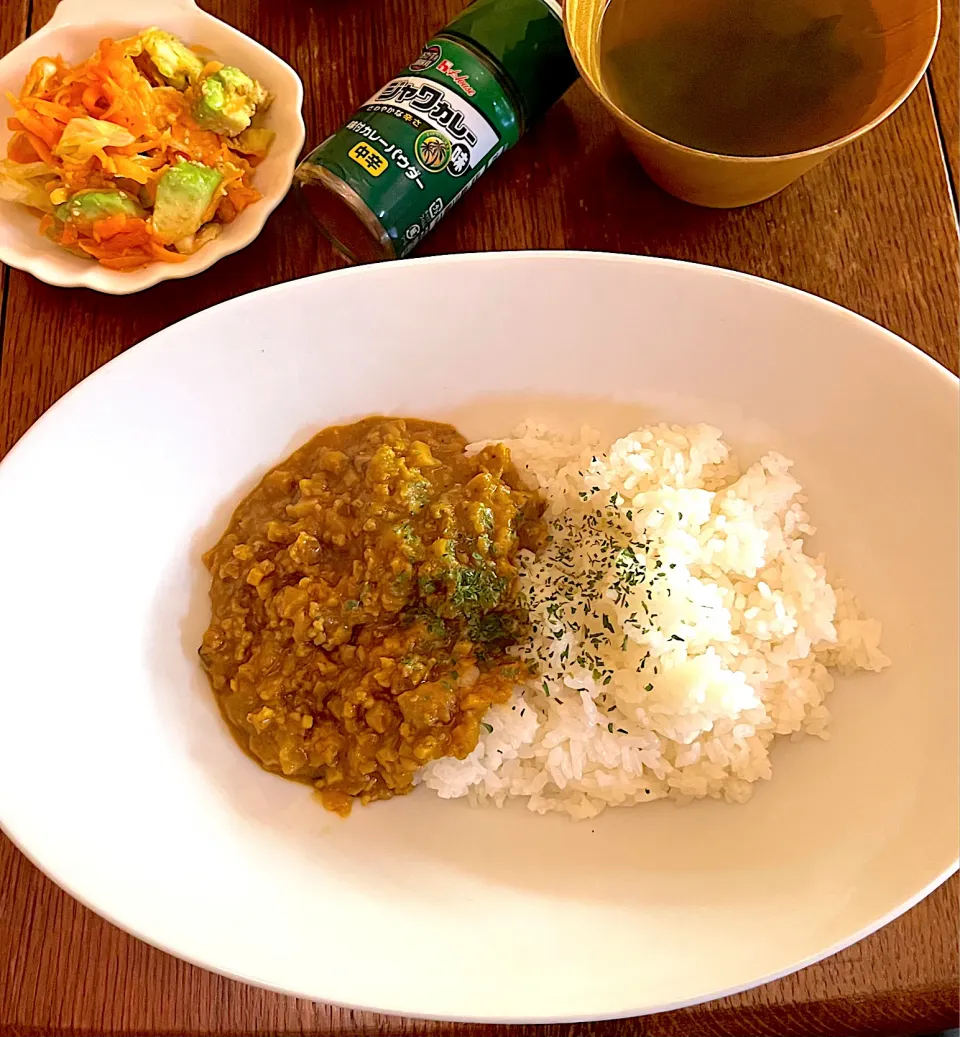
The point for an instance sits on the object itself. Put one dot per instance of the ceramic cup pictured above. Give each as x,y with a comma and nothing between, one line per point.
910,29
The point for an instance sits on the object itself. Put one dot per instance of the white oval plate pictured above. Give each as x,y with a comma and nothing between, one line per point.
119,779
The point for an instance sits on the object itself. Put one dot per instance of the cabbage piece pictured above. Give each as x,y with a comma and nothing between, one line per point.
132,170
186,246
24,182
39,76
84,137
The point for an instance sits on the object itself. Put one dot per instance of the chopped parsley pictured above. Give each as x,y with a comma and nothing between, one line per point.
479,588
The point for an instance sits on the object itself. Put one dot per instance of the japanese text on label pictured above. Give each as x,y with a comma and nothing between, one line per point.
442,109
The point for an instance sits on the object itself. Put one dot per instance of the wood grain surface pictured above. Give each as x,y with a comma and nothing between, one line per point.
873,229
945,82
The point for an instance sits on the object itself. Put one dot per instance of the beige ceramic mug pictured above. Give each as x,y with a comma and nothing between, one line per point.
910,29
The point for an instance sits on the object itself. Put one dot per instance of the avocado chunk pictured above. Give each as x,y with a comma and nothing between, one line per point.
86,207
176,63
227,101
254,141
184,194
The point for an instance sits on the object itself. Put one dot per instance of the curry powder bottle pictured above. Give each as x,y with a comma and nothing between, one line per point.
386,177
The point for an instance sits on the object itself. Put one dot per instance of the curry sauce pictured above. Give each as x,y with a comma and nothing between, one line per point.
364,598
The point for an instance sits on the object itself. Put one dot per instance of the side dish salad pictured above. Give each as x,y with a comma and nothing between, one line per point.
140,153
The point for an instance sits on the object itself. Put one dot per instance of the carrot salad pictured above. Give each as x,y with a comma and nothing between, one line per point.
139,154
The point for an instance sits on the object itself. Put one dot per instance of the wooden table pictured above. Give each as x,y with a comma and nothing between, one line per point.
874,229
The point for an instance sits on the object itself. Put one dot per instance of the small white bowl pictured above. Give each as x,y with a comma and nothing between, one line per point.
73,32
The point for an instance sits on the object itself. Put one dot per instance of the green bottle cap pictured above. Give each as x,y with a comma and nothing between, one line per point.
525,37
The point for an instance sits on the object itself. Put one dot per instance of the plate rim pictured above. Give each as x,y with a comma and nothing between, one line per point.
514,255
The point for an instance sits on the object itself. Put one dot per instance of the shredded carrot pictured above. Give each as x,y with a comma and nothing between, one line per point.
166,255
241,196
45,129
136,148
118,262
40,147
19,149
129,170
52,110
91,99
107,228
125,262
110,87
155,161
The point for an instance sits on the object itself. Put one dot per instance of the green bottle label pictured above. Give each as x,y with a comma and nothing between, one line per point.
416,146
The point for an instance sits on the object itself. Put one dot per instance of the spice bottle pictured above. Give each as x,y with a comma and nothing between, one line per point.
386,177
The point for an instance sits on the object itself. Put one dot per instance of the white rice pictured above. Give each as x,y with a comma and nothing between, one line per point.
677,624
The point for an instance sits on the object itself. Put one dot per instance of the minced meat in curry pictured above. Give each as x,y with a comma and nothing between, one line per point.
364,598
